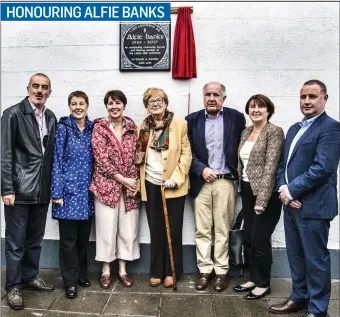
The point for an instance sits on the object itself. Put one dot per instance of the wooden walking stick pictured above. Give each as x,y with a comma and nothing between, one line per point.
167,227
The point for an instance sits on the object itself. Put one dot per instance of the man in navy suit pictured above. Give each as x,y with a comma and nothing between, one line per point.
214,135
307,180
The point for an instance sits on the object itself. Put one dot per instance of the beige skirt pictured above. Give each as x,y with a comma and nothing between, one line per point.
117,232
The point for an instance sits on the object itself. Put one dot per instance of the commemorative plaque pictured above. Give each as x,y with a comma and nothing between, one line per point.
144,46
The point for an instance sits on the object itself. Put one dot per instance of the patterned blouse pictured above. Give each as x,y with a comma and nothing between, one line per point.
111,157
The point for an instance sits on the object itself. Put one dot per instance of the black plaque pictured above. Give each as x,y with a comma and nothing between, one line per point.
144,46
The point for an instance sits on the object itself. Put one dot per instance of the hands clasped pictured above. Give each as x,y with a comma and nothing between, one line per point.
295,203
131,186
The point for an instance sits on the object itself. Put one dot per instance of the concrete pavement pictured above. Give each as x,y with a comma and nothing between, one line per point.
143,300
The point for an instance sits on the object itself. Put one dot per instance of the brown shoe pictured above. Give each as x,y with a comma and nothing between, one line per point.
125,280
14,299
154,281
39,285
168,282
221,282
202,281
105,281
287,307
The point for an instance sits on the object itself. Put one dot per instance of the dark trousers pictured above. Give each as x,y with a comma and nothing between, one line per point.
309,260
258,230
25,228
160,259
74,240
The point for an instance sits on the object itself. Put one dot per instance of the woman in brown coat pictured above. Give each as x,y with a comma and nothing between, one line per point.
259,154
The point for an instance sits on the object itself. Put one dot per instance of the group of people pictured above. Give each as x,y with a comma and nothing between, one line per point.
103,169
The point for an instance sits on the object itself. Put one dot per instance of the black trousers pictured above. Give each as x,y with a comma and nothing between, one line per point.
25,228
258,230
160,259
74,240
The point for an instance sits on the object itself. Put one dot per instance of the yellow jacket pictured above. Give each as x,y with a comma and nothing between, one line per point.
176,160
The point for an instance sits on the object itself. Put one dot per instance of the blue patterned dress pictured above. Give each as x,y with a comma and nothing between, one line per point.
72,170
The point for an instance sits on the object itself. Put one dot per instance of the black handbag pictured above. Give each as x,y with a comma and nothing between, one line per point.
237,248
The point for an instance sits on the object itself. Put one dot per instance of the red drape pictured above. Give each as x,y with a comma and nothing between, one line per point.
184,51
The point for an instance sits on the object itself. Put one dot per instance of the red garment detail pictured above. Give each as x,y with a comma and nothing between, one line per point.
111,158
184,52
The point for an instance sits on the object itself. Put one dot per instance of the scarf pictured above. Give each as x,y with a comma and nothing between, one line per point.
158,142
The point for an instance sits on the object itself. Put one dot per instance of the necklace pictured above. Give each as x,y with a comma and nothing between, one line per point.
256,131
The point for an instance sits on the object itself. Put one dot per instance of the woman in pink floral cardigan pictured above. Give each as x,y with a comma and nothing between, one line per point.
114,185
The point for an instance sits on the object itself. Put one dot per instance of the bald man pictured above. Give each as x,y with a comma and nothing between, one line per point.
27,142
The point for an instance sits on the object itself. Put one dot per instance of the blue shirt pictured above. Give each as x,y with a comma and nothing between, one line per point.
214,132
304,125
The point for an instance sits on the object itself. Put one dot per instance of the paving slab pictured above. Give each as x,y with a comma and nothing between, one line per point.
334,308
186,285
232,282
59,314
130,304
85,302
8,312
95,286
186,305
38,300
52,277
140,285
233,307
335,294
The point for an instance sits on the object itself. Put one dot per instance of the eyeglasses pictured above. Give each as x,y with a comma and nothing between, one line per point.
153,101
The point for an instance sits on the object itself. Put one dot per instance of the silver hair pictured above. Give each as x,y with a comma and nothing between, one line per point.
224,93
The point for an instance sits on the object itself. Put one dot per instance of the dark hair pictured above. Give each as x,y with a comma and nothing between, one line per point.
115,95
262,100
39,74
322,86
148,93
79,94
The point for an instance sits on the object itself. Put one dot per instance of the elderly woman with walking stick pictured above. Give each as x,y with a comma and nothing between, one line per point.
164,156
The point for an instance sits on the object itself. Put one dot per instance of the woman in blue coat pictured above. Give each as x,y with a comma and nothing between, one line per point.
72,202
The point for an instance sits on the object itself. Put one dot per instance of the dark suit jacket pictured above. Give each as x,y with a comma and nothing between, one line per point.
234,124
312,168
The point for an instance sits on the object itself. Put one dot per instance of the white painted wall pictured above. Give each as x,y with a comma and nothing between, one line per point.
269,48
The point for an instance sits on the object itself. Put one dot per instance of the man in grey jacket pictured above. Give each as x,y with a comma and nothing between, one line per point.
27,143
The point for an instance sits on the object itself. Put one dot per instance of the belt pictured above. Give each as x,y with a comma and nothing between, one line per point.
225,176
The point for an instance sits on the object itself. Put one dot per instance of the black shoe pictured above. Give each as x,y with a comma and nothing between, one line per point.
14,299
84,282
251,295
71,292
239,288
39,285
